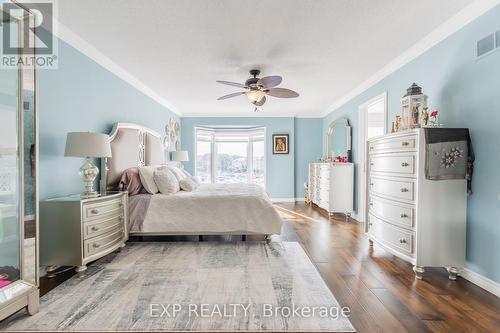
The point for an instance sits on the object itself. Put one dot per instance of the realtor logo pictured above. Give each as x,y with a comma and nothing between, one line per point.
27,30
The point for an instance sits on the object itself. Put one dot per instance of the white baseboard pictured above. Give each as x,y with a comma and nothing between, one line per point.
481,281
283,199
287,199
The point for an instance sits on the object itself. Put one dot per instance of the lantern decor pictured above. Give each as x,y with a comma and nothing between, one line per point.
412,103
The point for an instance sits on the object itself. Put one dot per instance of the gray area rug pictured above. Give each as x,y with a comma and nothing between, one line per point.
192,286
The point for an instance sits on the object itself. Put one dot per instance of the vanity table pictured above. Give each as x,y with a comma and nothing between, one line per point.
331,184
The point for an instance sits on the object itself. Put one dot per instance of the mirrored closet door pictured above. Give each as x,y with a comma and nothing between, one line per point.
18,179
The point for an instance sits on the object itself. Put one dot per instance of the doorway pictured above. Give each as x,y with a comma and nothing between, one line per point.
372,122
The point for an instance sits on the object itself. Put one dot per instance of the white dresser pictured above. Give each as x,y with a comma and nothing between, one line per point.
331,186
421,221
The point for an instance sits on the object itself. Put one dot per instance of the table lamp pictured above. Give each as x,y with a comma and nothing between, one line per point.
88,145
179,156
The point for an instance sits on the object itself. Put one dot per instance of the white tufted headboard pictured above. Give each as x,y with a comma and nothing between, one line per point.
132,145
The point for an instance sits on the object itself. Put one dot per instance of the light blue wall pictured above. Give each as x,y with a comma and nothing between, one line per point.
466,91
83,96
308,148
279,168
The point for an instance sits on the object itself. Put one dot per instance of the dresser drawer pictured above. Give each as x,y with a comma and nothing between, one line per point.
393,212
400,240
395,189
102,243
100,227
397,144
102,209
401,164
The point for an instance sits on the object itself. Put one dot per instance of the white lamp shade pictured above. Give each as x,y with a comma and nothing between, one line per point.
86,144
180,155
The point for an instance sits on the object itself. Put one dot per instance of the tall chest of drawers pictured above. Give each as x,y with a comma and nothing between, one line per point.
75,231
331,186
421,221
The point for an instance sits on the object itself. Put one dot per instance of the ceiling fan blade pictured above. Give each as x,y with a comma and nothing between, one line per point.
231,95
262,101
282,93
270,81
234,84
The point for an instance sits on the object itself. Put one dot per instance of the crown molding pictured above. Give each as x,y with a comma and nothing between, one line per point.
238,115
71,38
450,26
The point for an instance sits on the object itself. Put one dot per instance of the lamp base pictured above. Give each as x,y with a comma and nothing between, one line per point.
88,173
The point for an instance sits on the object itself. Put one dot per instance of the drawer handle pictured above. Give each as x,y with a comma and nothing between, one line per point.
371,203
404,190
94,211
370,224
404,164
371,184
94,228
371,147
403,216
403,240
95,245
405,143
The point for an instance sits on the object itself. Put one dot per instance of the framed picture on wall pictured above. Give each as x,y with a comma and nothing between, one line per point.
280,143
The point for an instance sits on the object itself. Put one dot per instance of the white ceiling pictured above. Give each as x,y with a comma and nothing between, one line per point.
322,48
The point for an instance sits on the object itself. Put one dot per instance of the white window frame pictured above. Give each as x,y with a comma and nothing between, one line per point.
362,122
215,136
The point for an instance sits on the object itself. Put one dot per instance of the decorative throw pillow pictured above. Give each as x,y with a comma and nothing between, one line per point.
146,173
177,172
131,181
166,182
188,184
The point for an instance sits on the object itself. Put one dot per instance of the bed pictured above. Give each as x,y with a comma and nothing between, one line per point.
211,209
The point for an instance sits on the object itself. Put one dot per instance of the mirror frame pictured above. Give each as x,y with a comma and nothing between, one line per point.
329,133
23,293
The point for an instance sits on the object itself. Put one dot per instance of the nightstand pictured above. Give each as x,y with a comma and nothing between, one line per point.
75,230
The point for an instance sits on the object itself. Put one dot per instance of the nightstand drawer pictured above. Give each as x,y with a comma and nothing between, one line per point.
96,228
101,243
102,209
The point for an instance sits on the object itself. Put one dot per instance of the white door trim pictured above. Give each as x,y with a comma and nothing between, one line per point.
361,156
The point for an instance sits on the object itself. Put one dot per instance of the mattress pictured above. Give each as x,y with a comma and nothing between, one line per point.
210,209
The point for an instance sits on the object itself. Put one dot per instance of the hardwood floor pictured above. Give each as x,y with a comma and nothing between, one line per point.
379,288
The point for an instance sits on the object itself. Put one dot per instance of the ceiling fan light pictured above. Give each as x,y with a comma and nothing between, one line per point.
255,96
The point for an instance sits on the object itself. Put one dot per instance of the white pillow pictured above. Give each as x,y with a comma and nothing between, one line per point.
147,178
177,172
188,184
166,181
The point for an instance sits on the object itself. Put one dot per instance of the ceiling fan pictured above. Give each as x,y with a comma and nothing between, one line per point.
257,89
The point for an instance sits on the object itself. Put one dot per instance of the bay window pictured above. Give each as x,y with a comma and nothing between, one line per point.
232,155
